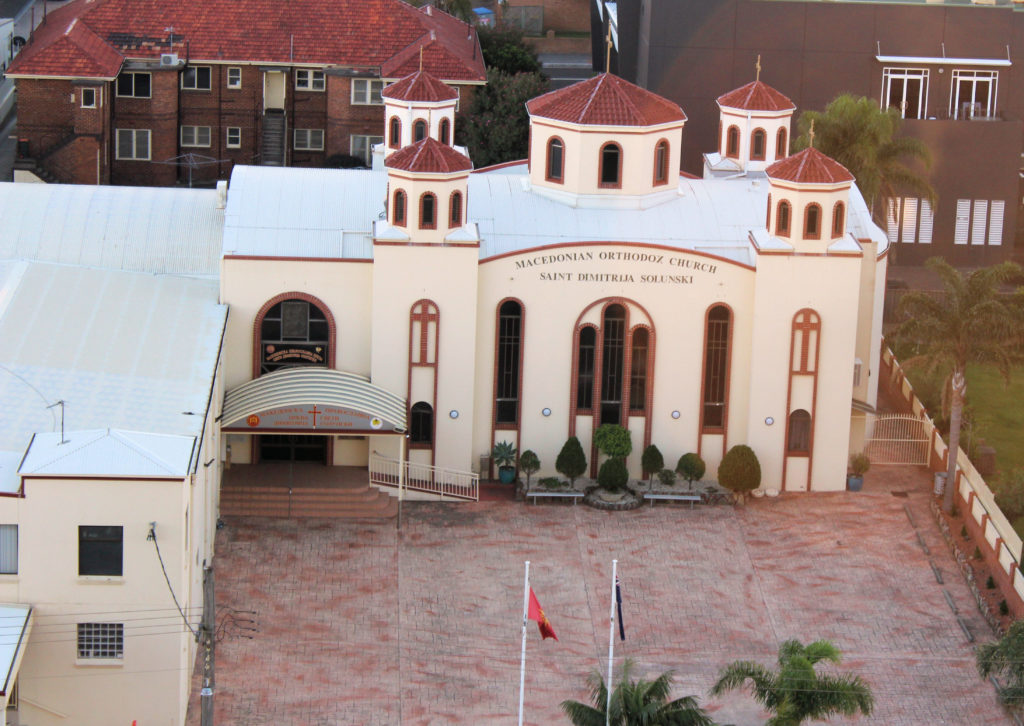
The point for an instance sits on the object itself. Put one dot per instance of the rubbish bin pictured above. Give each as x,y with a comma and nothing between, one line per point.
940,483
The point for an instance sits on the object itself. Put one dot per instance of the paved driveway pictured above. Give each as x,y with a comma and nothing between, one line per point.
362,625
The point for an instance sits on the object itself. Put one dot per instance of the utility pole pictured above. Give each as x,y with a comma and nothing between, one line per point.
206,637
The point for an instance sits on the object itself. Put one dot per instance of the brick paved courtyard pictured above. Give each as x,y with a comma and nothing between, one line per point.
361,624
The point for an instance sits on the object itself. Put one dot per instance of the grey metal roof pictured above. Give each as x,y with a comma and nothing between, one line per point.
123,350
141,229
103,452
308,386
290,212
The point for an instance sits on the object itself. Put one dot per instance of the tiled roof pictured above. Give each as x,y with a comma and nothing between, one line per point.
420,86
429,156
384,34
756,96
809,166
606,100
65,46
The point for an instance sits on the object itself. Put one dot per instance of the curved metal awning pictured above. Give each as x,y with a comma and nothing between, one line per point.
313,400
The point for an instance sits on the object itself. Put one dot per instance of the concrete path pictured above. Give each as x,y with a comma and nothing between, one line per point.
359,624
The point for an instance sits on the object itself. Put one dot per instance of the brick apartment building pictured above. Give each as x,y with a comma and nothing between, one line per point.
178,91
949,66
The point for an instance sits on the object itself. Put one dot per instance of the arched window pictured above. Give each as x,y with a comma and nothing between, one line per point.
455,210
798,437
838,219
758,142
782,215
806,334
812,221
613,336
611,166
661,162
585,369
781,144
556,158
444,133
419,130
394,132
716,368
428,211
421,424
509,360
398,213
732,143
638,371
293,333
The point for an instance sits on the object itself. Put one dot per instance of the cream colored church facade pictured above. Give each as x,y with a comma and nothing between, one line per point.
534,301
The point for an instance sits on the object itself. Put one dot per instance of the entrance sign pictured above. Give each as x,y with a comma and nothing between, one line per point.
317,417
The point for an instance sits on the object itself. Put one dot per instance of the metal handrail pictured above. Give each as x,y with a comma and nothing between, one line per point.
425,478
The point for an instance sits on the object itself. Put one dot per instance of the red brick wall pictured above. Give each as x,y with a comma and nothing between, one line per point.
45,113
560,15
159,114
79,161
343,119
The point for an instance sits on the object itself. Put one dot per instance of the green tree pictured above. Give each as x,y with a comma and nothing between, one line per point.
740,471
796,693
652,461
529,464
613,475
635,703
967,322
571,461
613,441
1005,658
691,467
504,50
497,127
854,131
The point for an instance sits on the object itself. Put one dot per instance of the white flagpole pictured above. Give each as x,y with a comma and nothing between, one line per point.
611,647
522,665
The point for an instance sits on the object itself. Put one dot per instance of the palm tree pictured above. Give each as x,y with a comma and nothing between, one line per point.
635,703
967,322
795,692
865,139
1005,657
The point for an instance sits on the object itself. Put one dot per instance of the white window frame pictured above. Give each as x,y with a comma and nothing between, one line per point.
969,108
193,136
234,77
8,549
95,97
305,139
366,91
99,642
903,75
135,144
133,94
237,144
195,77
369,141
310,79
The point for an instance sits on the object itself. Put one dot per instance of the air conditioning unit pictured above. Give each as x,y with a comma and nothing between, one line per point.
168,59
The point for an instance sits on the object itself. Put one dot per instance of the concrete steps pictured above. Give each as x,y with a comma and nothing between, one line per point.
335,502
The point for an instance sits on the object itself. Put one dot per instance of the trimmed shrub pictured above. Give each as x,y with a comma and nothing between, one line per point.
963,532
1004,609
571,461
691,467
613,441
613,475
652,461
529,464
667,477
740,472
990,584
977,554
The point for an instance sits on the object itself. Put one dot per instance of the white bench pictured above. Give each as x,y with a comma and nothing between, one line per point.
538,493
691,498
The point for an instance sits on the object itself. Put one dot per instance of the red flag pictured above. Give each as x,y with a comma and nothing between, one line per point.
536,612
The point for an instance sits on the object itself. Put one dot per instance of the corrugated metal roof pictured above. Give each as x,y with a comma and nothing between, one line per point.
308,386
141,229
15,630
289,212
103,452
123,350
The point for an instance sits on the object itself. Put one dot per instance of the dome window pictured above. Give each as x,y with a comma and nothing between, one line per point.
611,166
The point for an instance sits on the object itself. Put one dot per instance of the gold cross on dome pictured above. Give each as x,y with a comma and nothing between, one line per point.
810,134
421,59
758,67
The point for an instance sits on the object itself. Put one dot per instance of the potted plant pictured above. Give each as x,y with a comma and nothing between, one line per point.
504,455
859,465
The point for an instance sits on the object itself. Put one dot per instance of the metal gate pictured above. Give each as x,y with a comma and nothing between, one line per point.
896,439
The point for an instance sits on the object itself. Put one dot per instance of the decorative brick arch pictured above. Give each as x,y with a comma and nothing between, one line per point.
804,359
332,328
424,315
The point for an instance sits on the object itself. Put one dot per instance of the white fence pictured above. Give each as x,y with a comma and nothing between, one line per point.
450,483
